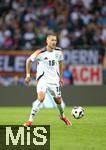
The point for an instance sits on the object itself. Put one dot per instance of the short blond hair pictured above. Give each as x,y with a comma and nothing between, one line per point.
50,35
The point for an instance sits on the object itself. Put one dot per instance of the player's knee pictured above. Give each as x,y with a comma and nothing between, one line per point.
57,100
41,99
41,96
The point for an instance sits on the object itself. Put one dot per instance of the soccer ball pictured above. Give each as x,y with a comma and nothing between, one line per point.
77,112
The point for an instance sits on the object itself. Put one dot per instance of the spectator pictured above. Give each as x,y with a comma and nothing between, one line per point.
103,35
67,76
8,41
30,21
64,39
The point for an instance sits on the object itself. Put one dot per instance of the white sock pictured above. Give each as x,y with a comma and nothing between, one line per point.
61,110
35,108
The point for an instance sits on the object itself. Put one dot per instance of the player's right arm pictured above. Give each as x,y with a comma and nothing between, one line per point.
28,65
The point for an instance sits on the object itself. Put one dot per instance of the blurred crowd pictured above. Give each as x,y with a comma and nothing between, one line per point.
24,24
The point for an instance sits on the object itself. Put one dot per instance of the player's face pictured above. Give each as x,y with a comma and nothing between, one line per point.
52,41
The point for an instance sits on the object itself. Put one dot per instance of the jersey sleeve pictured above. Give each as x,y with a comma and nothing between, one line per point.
35,55
32,58
61,56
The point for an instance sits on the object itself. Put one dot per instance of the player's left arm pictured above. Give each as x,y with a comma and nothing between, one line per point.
61,68
61,73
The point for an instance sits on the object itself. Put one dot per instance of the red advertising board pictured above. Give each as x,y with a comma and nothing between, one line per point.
87,75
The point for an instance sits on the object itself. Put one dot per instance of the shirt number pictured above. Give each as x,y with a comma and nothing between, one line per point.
51,62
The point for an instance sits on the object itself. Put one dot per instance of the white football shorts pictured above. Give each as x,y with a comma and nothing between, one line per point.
54,89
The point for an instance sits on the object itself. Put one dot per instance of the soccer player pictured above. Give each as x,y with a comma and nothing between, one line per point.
48,77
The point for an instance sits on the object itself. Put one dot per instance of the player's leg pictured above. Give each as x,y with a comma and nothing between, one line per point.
41,89
37,104
58,101
55,91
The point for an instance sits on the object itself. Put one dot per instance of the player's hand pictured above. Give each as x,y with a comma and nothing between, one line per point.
27,80
61,82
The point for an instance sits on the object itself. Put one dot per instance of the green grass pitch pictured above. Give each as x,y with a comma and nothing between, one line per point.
87,133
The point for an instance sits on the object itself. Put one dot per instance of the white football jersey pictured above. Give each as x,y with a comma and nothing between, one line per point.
48,65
